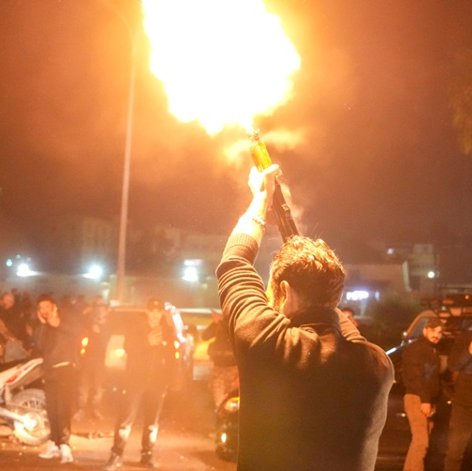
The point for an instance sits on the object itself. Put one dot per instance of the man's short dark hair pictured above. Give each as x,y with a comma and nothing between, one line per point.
433,323
46,297
312,269
155,303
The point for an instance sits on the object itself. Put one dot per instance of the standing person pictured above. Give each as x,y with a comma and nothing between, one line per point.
15,321
225,376
313,390
460,425
421,370
150,357
56,340
92,361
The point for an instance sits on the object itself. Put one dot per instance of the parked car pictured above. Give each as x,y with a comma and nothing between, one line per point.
122,319
396,436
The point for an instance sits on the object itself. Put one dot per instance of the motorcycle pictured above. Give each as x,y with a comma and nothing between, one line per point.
22,404
227,427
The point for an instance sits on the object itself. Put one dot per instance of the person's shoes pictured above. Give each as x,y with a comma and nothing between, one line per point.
115,462
51,451
147,461
66,454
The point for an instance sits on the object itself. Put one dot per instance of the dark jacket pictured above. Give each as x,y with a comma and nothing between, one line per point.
313,391
460,360
220,349
15,321
420,370
98,334
57,344
149,367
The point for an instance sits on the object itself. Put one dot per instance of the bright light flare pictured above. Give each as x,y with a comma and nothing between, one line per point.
24,270
95,272
222,62
357,295
281,139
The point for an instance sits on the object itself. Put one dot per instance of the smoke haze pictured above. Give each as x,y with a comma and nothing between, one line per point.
366,143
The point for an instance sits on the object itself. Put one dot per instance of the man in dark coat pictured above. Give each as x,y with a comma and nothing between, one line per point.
421,369
92,362
313,390
225,375
150,362
57,341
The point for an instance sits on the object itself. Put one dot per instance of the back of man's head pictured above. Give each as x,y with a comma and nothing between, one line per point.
312,269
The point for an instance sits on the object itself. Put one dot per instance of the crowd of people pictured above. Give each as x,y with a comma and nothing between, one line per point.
313,391
71,337
73,376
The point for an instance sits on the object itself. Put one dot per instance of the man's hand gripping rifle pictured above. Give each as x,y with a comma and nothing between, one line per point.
262,160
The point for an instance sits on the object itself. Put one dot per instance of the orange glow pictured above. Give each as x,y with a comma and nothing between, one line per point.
222,62
281,139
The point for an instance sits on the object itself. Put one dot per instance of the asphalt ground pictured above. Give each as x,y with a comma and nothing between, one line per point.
185,442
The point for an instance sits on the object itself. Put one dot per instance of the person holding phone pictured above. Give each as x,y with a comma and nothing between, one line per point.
56,341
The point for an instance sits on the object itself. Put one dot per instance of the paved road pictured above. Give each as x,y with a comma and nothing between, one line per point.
185,441
176,452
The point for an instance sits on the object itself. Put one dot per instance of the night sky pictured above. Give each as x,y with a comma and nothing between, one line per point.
380,160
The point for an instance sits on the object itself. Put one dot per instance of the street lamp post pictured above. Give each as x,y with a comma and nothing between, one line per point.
121,256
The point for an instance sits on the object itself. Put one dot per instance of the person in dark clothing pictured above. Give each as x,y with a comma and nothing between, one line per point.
421,378
92,361
56,341
150,361
460,425
313,391
225,375
15,321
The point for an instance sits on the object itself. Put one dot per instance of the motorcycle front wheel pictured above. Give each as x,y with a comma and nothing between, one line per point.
31,404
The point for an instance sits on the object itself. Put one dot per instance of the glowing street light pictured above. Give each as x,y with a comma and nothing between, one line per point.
23,270
95,272
191,272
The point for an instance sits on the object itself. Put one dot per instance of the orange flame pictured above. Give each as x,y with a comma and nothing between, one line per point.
222,62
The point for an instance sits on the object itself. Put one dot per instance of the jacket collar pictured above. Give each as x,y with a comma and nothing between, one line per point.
319,318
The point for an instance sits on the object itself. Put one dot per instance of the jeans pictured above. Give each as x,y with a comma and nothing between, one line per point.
151,401
90,384
420,427
59,385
